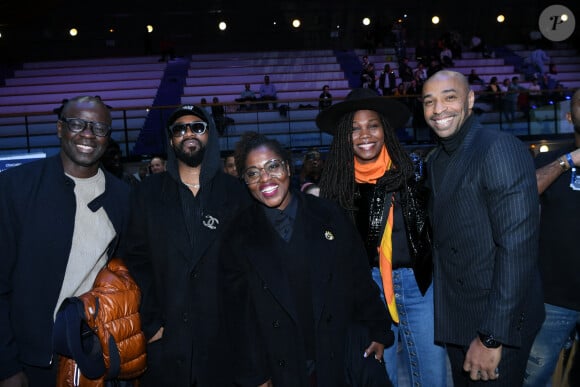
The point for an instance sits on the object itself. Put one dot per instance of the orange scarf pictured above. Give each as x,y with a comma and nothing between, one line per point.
370,173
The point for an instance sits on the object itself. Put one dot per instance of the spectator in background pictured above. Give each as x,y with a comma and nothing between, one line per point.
521,96
538,59
434,66
405,72
559,263
325,98
509,100
230,165
364,63
475,79
220,119
446,57
247,95
205,106
112,161
369,77
387,80
535,93
311,169
477,44
401,92
534,38
420,74
413,101
492,94
157,165
142,172
268,92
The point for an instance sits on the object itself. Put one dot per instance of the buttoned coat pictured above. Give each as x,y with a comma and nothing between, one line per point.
266,335
37,219
485,216
174,260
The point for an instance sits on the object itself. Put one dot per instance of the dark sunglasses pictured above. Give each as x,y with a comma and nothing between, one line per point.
196,127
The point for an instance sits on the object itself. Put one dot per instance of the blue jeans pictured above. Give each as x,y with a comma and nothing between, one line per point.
426,362
555,334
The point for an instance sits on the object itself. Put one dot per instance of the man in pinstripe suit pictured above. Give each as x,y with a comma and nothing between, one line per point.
485,214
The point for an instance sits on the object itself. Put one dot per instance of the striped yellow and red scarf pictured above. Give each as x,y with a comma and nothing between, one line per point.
370,173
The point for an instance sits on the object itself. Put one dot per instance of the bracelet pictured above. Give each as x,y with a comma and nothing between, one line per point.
563,164
570,161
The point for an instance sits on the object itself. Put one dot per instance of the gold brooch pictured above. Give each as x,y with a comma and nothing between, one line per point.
329,235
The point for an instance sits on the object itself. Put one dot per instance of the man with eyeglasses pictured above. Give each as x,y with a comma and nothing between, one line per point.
60,221
175,232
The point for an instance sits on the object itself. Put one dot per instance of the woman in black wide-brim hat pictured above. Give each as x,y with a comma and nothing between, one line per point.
370,175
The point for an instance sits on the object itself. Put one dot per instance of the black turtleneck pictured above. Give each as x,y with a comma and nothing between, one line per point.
449,145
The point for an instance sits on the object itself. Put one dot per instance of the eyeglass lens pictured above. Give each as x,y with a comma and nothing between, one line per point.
77,125
197,127
273,168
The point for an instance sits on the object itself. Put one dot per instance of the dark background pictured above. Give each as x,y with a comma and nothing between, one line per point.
38,30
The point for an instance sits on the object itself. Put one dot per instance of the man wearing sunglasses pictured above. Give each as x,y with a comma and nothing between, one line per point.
60,219
177,225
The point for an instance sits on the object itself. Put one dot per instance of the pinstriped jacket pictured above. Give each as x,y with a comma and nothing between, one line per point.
485,218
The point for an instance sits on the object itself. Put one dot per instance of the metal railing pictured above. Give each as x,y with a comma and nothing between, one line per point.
292,122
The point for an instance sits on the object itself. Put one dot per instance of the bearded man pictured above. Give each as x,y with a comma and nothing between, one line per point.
175,231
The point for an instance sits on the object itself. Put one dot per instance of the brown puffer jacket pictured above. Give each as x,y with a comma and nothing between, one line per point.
111,310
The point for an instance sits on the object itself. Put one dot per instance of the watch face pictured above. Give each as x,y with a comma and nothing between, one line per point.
488,341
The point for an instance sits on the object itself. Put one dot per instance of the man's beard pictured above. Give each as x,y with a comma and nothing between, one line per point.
192,159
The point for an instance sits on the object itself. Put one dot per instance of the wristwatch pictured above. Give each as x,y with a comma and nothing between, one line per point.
489,340
565,165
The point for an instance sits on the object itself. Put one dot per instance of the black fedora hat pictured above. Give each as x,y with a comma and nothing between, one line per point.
396,113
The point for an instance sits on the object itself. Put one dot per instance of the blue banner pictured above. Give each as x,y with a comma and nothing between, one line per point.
16,160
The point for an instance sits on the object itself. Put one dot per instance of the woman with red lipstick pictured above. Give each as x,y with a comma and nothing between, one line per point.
369,174
296,282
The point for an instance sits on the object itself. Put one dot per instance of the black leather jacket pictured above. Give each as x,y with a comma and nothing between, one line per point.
413,201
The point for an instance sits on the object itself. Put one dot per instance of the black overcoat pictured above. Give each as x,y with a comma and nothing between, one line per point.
174,259
262,314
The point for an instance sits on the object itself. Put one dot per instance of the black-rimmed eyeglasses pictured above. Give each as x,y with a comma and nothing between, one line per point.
273,168
77,125
196,127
